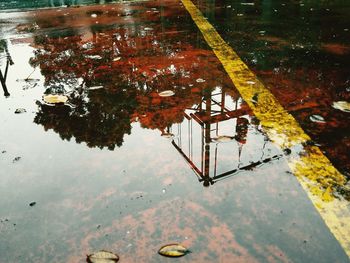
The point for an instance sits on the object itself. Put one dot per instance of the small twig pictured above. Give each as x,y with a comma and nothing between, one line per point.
27,78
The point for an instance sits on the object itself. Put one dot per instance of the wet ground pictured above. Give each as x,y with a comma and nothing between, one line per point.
155,145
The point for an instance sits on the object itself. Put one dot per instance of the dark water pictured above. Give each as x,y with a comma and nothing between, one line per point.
30,4
121,168
301,51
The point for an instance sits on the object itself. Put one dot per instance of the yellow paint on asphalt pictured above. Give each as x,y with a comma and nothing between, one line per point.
319,178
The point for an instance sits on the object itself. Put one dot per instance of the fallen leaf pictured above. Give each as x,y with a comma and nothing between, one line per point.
317,118
20,110
167,135
95,87
223,138
200,80
342,105
55,99
167,93
173,250
16,159
102,257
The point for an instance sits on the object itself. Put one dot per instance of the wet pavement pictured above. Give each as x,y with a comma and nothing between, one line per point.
155,144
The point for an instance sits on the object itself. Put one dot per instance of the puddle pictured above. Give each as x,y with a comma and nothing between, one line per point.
149,143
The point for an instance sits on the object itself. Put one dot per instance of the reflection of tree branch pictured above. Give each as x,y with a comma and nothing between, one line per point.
97,125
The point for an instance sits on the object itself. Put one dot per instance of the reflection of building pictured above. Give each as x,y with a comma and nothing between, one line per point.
3,76
213,140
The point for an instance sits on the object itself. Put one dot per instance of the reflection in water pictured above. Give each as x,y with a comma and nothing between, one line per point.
53,3
113,75
218,125
139,196
4,54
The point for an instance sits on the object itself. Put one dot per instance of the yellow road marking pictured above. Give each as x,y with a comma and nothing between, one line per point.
314,171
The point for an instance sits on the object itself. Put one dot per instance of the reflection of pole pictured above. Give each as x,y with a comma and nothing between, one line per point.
3,84
206,177
3,79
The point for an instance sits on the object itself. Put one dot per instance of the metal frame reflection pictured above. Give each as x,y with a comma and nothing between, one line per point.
209,114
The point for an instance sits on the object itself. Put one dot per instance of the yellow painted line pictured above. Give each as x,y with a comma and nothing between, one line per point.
319,178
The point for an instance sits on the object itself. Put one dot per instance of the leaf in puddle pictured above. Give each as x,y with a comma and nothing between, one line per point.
167,93
117,59
342,105
95,88
20,110
102,257
55,99
317,118
94,57
168,135
200,80
16,159
173,250
223,138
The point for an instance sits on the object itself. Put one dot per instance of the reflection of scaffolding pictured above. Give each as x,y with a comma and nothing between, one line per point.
215,109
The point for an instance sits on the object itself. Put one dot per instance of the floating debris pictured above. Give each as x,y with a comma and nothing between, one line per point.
27,28
16,159
223,138
102,257
255,98
20,110
166,93
173,250
28,80
287,151
248,4
32,204
88,45
200,80
250,82
94,57
95,87
317,118
116,59
93,15
148,29
168,135
342,105
55,99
